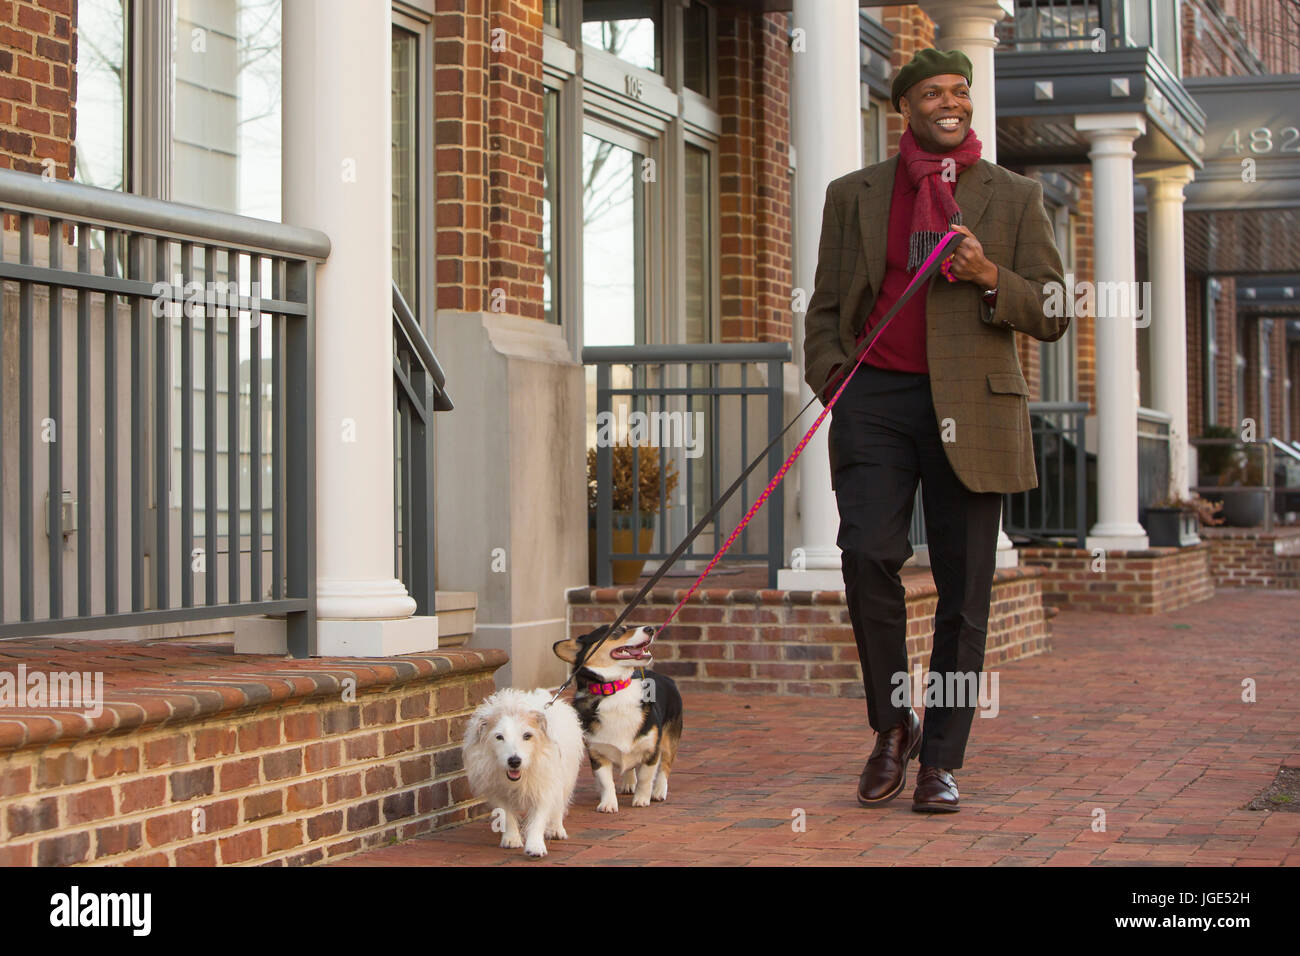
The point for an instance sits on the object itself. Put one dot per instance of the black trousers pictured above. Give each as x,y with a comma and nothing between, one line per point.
883,438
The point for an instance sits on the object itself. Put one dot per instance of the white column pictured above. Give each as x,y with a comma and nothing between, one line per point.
1112,136
826,132
337,175
969,27
1167,311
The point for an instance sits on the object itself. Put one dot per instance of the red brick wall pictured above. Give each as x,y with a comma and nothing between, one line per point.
1263,34
1132,582
775,262
1248,557
37,85
913,31
489,136
289,784
1277,375
736,172
754,184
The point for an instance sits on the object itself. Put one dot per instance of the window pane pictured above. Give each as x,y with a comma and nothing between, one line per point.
405,170
550,205
551,12
613,244
101,75
226,106
629,29
699,260
696,48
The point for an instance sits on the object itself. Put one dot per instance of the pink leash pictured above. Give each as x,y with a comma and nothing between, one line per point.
932,263
941,251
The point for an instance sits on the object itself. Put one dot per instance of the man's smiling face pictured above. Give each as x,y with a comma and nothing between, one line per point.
938,111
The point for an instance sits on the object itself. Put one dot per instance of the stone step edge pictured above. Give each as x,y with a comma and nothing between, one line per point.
230,691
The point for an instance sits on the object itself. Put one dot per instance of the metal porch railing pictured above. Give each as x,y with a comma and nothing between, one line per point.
1058,507
689,389
1063,25
147,467
419,390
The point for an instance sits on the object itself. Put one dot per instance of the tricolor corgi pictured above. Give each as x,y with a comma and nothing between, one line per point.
631,716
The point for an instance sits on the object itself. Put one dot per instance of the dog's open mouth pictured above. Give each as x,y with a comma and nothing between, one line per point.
632,652
514,774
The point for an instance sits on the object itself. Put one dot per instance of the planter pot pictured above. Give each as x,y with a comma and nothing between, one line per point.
1172,527
1245,509
624,572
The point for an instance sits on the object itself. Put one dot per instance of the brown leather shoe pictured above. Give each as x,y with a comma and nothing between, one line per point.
885,774
936,791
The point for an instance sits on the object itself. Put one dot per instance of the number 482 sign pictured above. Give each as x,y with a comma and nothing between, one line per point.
1262,139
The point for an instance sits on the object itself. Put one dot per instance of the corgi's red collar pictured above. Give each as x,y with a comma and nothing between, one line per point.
608,687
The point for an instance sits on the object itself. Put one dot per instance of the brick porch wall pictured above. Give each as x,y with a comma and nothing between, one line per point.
299,778
801,642
1247,557
1133,582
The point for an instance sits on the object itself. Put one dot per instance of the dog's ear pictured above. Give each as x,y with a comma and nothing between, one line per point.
566,650
474,729
539,721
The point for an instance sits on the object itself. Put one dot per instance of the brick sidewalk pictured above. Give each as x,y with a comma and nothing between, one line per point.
1140,718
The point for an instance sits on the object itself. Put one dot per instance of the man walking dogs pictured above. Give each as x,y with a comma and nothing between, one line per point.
939,399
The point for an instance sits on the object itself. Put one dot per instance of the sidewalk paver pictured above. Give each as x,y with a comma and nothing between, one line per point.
1133,725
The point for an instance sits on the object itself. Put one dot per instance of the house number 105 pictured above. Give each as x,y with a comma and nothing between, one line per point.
633,86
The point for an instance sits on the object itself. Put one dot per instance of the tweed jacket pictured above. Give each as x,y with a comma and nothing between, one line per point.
981,399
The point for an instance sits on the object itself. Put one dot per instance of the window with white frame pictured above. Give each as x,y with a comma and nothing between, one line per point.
629,230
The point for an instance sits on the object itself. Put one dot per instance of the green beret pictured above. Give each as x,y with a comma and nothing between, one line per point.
925,64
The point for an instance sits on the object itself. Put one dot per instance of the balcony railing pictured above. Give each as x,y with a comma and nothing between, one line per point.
705,410
159,466
1063,25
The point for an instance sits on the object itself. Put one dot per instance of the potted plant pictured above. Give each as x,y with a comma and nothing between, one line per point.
1244,509
1173,521
623,521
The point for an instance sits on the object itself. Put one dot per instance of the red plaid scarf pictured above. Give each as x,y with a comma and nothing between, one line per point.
936,208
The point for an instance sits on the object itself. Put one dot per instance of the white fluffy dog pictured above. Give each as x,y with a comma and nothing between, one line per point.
522,758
